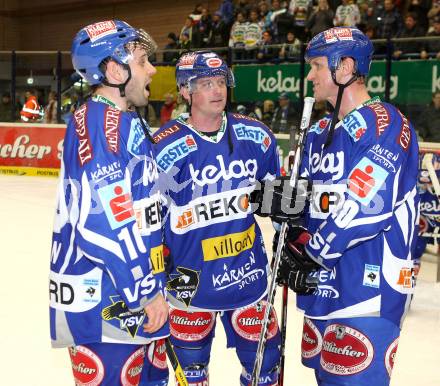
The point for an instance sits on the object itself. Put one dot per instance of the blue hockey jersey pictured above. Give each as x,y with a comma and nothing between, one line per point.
107,253
218,261
363,214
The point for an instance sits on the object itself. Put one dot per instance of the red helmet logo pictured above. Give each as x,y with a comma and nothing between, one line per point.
214,62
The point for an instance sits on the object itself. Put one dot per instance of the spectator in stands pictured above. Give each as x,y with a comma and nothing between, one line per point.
429,121
432,47
420,10
50,111
197,13
236,37
285,117
264,13
347,14
389,21
410,30
180,108
244,7
167,108
172,44
276,11
266,53
291,49
433,12
32,111
321,19
252,35
300,10
191,32
5,108
184,42
204,28
227,13
268,110
219,31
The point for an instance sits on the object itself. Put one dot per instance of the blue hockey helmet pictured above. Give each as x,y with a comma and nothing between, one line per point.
105,40
342,42
201,64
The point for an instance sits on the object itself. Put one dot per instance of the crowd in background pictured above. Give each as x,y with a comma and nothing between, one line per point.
272,31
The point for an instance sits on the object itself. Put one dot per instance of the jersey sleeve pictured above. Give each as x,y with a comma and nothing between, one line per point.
379,181
108,222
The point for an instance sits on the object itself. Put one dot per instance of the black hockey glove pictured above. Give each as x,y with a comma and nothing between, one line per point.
279,200
296,267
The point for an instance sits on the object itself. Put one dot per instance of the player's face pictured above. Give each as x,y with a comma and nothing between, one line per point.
320,76
141,73
209,96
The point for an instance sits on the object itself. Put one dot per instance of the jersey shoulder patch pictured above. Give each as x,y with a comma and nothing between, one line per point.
355,125
251,129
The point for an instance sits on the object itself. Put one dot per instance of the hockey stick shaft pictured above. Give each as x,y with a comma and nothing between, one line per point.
283,334
178,371
294,176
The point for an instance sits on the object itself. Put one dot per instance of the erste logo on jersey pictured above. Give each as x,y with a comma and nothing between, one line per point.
211,209
117,203
319,126
210,174
365,180
136,137
326,199
191,326
311,343
252,133
175,151
355,125
382,117
228,245
99,30
87,367
238,277
247,321
390,356
132,369
156,354
82,131
345,350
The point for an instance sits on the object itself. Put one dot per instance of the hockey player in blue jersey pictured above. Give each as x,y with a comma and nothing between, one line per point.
360,228
107,274
210,161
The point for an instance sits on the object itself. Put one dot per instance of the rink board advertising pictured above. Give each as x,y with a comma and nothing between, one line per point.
27,149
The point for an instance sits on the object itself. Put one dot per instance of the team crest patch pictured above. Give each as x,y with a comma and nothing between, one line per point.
371,276
345,350
185,284
129,321
311,343
132,370
252,133
87,367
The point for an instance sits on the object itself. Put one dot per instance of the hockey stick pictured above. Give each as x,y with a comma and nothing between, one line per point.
427,163
305,120
283,334
178,371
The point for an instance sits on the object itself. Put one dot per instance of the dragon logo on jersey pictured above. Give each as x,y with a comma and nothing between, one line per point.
252,133
184,284
129,321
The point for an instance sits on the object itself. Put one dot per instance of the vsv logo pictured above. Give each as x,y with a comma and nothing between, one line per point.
210,174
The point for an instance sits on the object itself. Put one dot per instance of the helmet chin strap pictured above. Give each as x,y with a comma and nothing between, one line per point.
341,88
121,86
